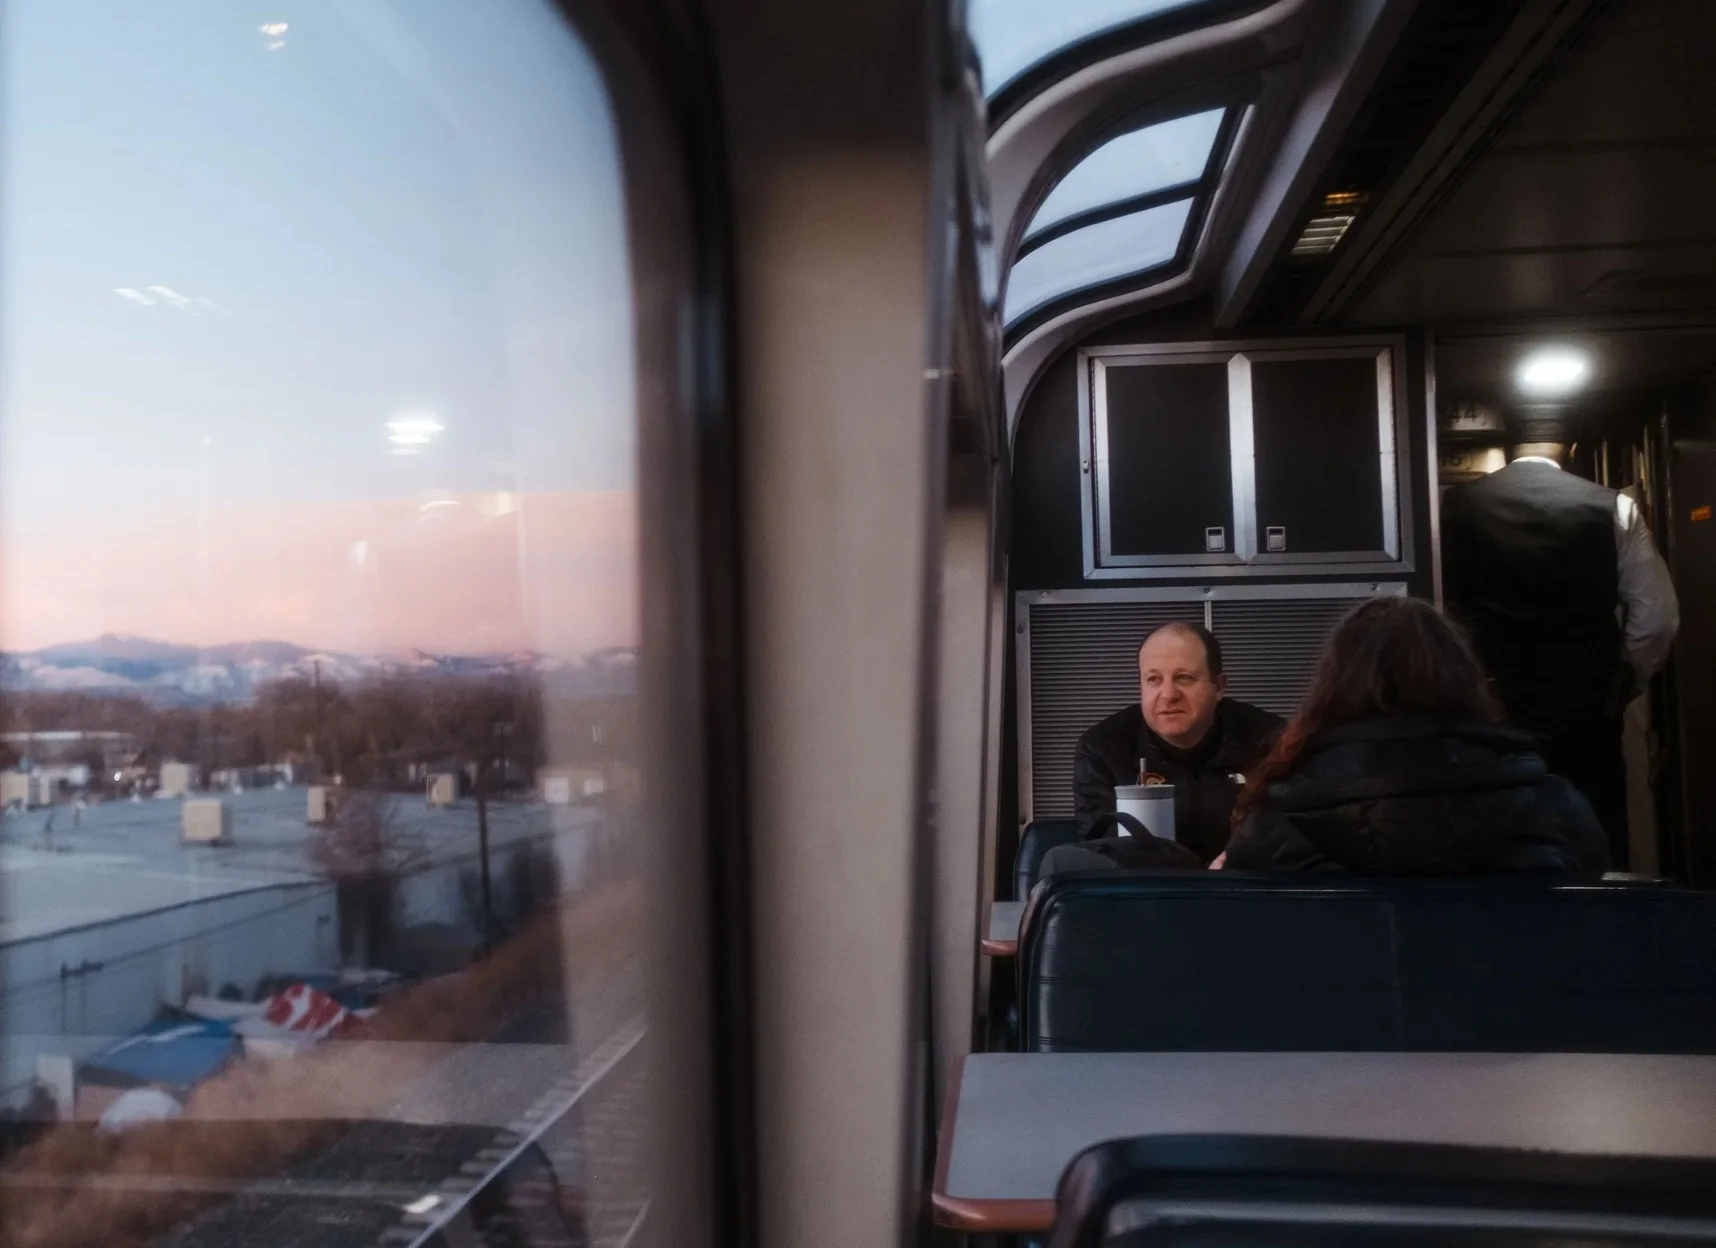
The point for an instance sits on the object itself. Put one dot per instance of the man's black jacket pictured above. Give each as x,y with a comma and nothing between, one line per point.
1204,777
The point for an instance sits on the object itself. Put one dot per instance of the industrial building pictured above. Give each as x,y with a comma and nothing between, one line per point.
123,914
115,749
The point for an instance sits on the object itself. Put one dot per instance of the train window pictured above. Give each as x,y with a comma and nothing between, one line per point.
1014,36
1128,213
1114,248
326,713
1149,161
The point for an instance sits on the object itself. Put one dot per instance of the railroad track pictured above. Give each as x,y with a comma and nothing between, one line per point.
558,1161
540,1145
566,1172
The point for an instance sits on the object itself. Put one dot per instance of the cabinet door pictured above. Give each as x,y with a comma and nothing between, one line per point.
1323,440
1164,469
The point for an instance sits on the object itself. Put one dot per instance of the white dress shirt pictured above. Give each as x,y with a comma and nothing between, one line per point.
1650,611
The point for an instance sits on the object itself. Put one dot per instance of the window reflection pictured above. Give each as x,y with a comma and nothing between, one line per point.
1108,250
1012,36
318,547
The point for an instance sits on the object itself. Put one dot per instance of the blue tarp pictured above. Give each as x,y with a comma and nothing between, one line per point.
175,1053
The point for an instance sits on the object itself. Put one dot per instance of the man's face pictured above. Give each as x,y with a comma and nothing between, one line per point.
1176,689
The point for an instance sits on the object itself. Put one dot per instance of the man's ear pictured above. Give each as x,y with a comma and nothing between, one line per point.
1221,685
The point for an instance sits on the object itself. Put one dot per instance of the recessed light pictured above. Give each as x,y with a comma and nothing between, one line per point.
1329,225
1553,372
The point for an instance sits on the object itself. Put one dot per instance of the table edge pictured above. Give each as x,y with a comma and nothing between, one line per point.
1000,948
998,1215
962,1213
956,1213
944,1129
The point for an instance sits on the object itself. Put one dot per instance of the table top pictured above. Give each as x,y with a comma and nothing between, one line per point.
1013,1121
1001,940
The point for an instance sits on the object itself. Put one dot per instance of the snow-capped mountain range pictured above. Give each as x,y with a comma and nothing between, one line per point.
166,673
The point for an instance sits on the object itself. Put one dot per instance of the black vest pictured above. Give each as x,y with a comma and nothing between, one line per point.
1530,566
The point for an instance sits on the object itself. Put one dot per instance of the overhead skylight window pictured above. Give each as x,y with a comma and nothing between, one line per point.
1013,36
1136,164
1107,250
1125,211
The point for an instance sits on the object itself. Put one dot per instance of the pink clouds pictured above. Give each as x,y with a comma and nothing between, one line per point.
554,572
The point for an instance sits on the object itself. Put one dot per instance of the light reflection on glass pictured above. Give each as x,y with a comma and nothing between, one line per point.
410,434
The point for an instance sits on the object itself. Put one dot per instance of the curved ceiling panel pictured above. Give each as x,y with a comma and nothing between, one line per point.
1014,36
1108,250
1140,163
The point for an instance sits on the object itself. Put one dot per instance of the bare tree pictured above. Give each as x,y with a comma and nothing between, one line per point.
364,853
493,725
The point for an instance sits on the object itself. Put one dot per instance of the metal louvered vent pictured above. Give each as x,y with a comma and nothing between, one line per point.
1271,648
1083,667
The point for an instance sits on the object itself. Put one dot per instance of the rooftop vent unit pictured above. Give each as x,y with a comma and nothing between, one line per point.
207,821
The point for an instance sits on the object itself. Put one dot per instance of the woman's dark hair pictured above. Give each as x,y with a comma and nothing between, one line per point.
1388,657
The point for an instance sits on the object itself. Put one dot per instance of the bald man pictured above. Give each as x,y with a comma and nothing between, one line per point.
1185,731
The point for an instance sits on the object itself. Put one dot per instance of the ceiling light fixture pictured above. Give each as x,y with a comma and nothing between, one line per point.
1325,230
1553,372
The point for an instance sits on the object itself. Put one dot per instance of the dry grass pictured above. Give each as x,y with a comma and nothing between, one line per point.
255,1117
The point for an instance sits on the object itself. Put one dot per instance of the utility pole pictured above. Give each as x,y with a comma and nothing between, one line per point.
487,756
316,720
483,851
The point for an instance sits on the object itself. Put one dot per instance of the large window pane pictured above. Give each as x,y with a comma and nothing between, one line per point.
1141,162
318,537
1014,35
1102,252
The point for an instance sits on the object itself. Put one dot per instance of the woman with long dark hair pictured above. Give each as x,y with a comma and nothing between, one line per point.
1398,764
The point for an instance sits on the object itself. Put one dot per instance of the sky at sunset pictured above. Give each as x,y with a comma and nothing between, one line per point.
314,326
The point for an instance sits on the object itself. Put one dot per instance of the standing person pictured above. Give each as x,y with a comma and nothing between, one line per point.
1397,765
1568,603
1184,732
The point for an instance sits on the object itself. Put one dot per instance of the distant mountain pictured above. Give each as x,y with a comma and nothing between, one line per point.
185,675
119,648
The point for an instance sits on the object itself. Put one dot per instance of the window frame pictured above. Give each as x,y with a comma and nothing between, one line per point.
658,73
1135,239
1185,188
673,140
1202,192
1010,96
